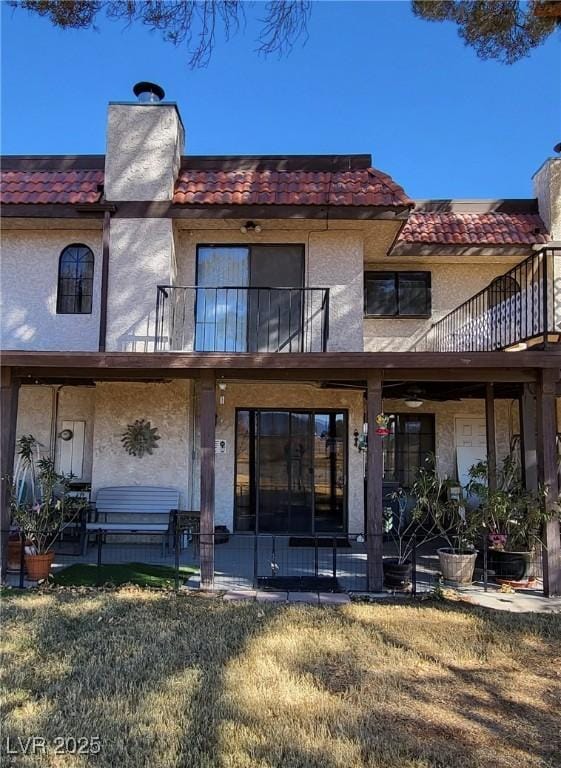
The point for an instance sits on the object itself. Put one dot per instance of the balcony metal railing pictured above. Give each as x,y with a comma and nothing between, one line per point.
522,306
241,319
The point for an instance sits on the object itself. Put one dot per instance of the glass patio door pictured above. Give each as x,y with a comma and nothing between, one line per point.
290,471
249,298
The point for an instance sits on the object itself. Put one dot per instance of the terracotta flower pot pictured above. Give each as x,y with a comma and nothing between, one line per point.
457,568
39,566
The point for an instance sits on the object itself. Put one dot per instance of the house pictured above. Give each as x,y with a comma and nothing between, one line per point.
261,312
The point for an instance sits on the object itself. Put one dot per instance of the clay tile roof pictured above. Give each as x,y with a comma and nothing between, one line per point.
73,186
449,228
364,186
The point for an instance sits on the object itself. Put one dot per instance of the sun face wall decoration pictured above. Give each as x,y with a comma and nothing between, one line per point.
140,438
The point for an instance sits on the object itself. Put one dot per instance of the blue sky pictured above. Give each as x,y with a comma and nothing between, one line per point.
371,78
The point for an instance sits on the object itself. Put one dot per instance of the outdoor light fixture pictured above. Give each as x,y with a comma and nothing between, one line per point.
413,401
148,93
222,388
413,397
249,227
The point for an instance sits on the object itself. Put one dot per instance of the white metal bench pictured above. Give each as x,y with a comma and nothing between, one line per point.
150,505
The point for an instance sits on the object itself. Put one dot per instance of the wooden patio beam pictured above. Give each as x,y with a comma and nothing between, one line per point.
9,391
549,478
35,374
316,361
207,402
374,481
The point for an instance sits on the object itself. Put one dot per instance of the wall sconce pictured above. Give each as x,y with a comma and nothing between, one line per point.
222,388
250,227
361,440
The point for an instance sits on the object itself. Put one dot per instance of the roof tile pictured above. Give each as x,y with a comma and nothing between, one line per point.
449,228
74,187
367,187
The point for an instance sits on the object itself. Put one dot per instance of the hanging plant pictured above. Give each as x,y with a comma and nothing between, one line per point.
140,438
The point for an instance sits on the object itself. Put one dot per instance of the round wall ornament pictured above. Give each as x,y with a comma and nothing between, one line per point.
140,438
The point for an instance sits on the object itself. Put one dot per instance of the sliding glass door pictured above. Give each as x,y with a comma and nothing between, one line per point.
290,471
249,298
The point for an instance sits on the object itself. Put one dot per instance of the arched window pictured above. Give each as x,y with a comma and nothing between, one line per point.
75,280
501,289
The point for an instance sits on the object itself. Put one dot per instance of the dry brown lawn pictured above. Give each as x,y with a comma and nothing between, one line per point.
167,681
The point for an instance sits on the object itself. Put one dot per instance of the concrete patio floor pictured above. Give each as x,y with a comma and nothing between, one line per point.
242,559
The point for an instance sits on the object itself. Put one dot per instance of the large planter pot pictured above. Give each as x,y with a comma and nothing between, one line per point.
516,568
396,575
39,566
457,568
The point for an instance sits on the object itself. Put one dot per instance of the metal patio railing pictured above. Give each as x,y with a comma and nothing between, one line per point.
522,306
241,319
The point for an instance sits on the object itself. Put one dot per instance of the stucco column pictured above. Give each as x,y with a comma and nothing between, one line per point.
144,146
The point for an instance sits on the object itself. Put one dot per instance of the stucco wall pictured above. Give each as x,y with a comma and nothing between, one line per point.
29,277
547,188
35,413
166,406
141,258
144,147
333,259
451,285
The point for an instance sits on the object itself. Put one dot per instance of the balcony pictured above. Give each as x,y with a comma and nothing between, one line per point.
241,319
519,309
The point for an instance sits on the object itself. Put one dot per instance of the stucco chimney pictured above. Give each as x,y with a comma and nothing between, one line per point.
547,188
145,141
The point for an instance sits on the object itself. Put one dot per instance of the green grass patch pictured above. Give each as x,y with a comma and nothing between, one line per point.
142,574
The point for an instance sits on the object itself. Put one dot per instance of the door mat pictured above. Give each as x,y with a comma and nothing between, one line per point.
320,541
299,583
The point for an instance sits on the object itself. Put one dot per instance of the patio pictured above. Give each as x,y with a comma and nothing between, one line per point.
249,566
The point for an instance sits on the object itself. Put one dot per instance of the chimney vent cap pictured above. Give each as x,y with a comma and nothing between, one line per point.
148,93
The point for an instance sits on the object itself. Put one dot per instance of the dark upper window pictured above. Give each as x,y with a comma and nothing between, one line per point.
501,289
397,294
75,280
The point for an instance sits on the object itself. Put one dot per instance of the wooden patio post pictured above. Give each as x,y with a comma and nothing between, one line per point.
548,476
374,480
490,428
207,426
9,392
528,437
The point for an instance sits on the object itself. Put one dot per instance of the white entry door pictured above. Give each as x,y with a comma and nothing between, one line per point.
471,444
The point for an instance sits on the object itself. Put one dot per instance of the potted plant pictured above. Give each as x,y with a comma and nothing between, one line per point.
448,519
512,518
407,529
42,517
